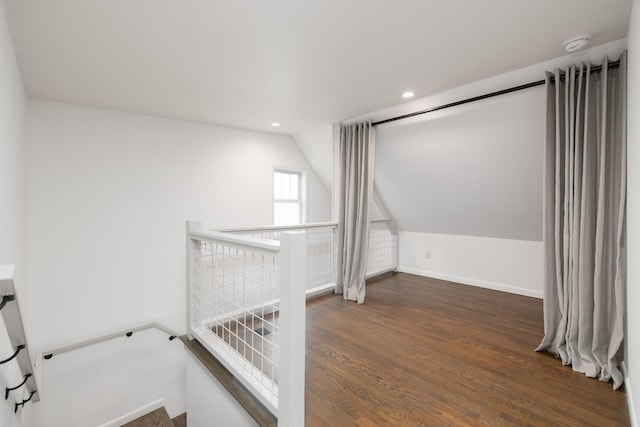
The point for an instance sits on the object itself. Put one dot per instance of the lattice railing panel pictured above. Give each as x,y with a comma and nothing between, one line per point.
320,249
235,299
383,248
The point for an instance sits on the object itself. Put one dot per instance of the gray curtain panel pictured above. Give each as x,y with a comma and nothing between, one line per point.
357,155
584,218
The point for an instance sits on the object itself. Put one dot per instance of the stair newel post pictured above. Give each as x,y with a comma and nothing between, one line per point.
193,252
291,382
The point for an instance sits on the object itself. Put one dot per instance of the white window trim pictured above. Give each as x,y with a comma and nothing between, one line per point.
303,192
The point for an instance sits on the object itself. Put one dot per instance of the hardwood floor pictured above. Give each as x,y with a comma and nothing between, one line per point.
157,418
426,352
180,420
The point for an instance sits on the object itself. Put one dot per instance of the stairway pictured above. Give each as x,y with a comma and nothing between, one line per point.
158,418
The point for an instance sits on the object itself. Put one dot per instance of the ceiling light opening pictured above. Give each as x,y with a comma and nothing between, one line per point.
576,43
275,124
408,94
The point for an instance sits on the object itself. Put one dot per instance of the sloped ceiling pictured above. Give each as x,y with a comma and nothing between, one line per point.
304,64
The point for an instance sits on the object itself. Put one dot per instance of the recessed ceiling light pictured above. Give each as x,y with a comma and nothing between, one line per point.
408,94
275,124
576,43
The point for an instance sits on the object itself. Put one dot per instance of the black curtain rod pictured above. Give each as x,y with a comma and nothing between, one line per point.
613,64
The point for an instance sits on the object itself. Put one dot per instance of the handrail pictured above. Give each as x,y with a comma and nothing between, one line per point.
281,227
380,221
294,227
126,332
245,241
268,228
389,222
10,312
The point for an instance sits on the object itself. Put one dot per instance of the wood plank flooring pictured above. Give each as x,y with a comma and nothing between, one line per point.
156,418
426,352
180,420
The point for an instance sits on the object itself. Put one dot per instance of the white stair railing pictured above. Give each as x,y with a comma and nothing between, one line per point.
246,305
321,252
246,299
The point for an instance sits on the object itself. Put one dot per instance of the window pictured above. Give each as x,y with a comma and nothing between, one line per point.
287,197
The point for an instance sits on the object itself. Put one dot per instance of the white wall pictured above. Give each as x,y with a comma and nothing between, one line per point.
12,180
12,153
208,403
12,157
317,147
474,170
466,185
632,339
503,264
108,195
98,384
443,180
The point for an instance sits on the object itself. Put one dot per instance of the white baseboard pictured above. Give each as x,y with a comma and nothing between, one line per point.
472,282
135,414
633,419
320,291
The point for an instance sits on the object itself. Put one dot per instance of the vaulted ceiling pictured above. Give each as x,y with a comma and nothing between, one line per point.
303,63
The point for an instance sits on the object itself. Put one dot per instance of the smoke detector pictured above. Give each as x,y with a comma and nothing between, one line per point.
576,43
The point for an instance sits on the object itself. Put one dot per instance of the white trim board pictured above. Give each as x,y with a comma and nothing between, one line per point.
320,291
473,282
633,418
137,413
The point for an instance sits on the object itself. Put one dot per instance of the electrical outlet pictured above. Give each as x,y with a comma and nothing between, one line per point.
427,254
